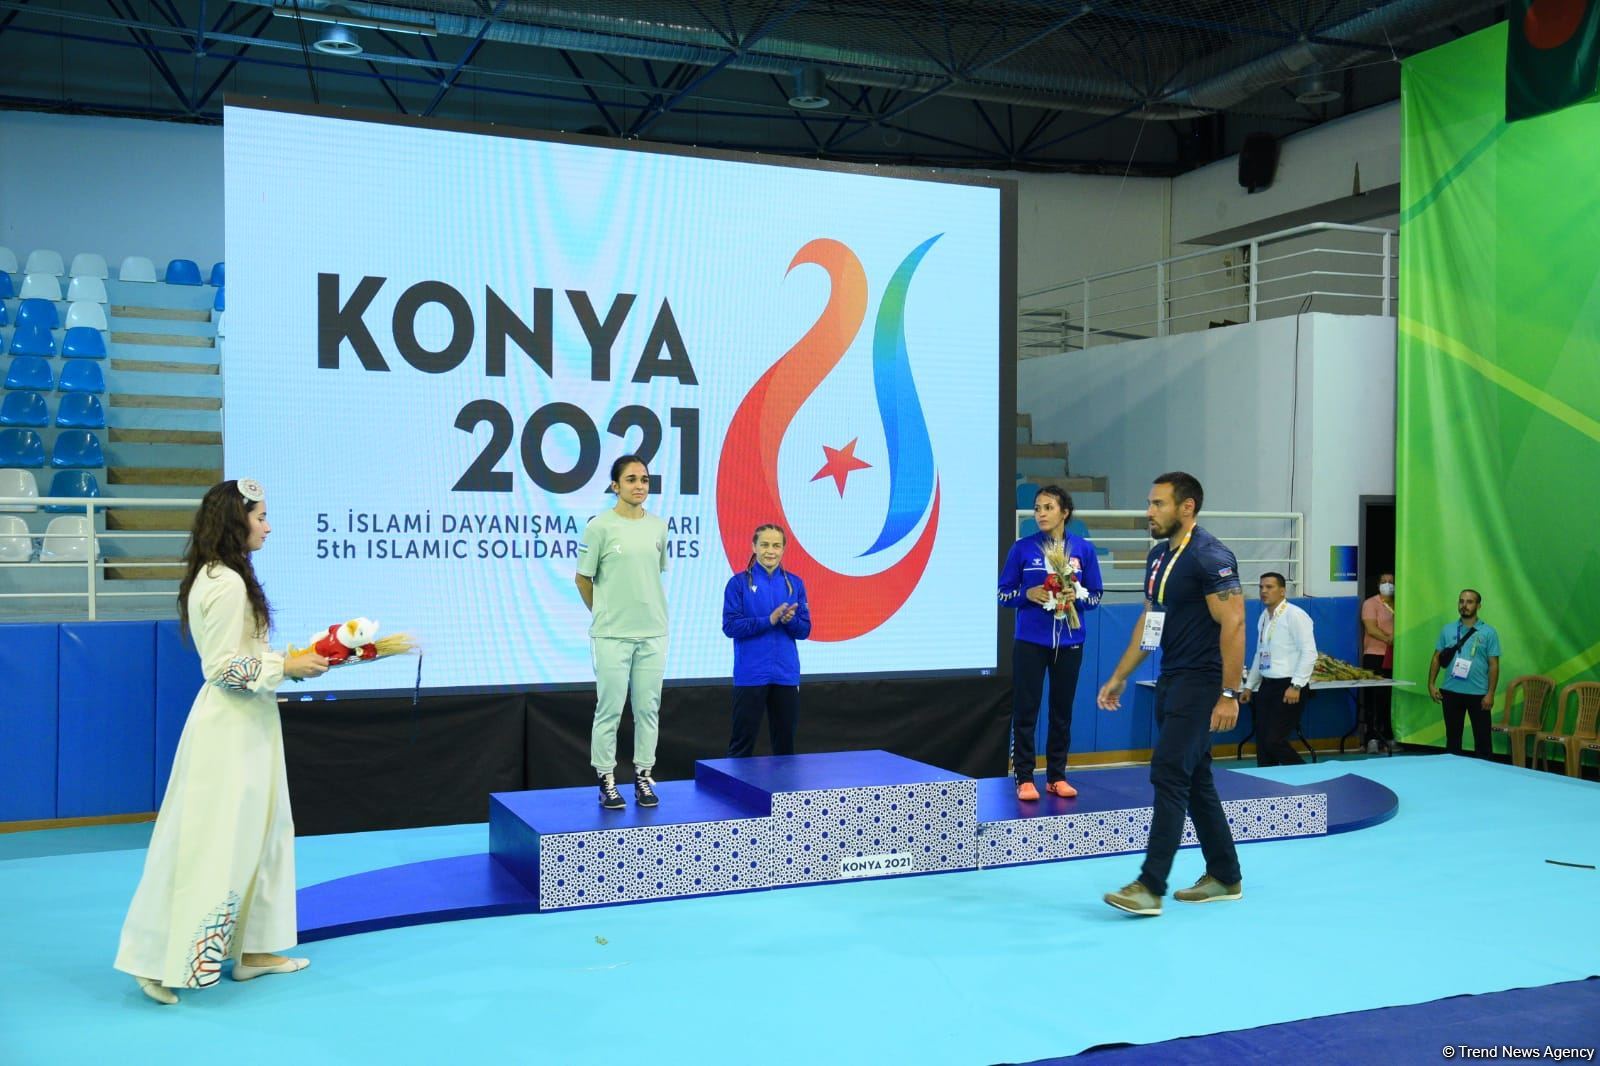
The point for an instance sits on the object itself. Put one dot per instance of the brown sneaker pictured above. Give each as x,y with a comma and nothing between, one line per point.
1027,790
1209,890
1135,899
1062,789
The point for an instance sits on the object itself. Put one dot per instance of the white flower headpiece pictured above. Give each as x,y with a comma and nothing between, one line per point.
251,490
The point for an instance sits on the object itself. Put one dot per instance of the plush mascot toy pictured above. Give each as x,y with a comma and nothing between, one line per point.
350,641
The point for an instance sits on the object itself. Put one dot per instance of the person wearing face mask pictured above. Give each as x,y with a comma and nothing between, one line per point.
1045,645
764,611
1469,653
1377,655
1286,653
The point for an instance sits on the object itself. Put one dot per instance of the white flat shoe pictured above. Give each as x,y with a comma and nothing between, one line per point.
157,991
241,972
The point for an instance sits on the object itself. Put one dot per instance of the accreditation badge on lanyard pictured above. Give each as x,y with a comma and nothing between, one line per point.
1155,617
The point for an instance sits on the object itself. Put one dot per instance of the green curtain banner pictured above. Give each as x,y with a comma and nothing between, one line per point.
1498,377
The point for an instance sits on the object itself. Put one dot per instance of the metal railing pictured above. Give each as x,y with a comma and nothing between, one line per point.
94,563
1276,541
1323,266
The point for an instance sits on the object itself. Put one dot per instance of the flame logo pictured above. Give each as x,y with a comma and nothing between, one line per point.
842,605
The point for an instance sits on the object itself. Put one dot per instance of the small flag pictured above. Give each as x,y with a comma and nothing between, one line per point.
1552,55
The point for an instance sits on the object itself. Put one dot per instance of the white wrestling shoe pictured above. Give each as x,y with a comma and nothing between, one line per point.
241,972
157,991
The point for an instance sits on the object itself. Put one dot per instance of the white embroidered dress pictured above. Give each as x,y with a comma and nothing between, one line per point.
219,876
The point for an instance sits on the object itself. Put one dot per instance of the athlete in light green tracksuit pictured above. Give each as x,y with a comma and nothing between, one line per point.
620,563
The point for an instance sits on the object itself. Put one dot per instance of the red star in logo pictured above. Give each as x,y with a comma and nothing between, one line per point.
840,462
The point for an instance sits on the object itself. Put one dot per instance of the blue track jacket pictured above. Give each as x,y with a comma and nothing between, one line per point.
1025,568
763,653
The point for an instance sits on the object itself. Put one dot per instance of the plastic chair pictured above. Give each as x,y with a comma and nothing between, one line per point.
66,540
79,484
33,340
78,410
8,260
7,290
89,265
44,261
90,289
81,375
222,324
41,287
18,484
221,302
87,313
16,545
137,268
183,272
78,449
30,373
1536,691
219,275
5,318
1587,695
21,448
25,409
34,312
84,342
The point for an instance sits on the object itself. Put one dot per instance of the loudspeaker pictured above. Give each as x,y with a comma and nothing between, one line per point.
1258,161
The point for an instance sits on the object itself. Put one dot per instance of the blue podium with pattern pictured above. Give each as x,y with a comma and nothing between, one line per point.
743,825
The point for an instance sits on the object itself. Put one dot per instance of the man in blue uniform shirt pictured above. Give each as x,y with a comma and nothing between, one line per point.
1468,651
1194,613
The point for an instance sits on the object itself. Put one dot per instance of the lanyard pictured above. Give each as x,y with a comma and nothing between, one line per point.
1272,622
1161,592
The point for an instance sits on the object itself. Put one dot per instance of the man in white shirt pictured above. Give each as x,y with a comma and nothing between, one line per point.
1286,652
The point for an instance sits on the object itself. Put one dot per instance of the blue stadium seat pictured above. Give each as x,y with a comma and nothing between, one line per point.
1025,493
79,484
38,313
7,289
221,302
21,448
183,272
31,373
24,409
33,340
81,375
84,342
77,448
5,319
79,410
219,274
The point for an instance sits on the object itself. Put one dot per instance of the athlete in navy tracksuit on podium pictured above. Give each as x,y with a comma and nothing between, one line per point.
764,610
1045,644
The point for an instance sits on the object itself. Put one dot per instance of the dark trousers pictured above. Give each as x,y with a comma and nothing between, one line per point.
778,704
1030,664
1276,722
1377,722
1458,706
1180,770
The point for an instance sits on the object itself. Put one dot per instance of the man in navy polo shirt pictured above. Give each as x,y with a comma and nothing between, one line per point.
1193,612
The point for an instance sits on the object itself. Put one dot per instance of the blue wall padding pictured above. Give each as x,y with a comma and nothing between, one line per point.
28,657
1336,621
105,761
178,678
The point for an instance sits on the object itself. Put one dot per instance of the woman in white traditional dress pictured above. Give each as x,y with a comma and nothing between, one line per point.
218,879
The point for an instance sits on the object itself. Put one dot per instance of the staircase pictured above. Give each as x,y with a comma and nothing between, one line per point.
164,428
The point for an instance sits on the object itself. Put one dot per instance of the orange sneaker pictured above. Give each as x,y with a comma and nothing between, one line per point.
1026,790
1062,789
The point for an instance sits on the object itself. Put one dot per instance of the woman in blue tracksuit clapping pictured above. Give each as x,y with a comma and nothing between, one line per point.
1045,644
764,611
